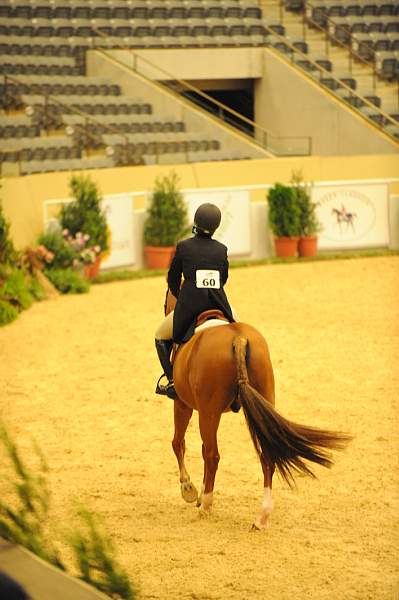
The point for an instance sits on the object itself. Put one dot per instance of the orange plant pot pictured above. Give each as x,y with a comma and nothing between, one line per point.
91,271
158,257
286,247
307,246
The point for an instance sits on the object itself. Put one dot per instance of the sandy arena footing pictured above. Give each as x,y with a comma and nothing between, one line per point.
78,374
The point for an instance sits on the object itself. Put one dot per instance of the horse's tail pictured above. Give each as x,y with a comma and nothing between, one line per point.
285,444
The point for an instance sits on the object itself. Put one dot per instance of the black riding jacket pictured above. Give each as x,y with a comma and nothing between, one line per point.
197,253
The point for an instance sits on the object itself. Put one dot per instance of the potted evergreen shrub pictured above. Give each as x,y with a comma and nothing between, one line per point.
84,217
166,222
284,219
310,225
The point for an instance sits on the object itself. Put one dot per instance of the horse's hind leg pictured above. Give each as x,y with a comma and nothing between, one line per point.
262,521
182,415
210,454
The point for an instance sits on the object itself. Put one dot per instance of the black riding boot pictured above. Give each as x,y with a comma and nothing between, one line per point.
164,348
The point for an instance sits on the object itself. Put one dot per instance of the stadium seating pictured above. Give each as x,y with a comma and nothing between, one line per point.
42,46
42,64
67,85
369,30
137,24
17,127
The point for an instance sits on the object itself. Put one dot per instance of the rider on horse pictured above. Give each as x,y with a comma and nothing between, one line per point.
203,263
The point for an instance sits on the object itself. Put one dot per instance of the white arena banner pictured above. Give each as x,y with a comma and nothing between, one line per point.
119,212
352,216
235,228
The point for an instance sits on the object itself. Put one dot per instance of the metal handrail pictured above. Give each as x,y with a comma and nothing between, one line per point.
331,24
327,31
331,76
74,110
318,67
350,47
329,36
221,108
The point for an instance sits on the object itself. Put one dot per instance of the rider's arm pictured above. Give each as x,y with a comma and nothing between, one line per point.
175,273
225,270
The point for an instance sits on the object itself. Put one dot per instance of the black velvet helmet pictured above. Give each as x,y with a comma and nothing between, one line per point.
207,218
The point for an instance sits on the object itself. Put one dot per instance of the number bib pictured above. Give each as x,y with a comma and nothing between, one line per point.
207,279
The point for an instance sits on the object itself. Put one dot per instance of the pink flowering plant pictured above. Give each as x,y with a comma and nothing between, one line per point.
36,259
67,251
85,252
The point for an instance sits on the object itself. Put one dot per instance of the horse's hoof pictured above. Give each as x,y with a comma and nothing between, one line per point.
259,526
189,492
204,513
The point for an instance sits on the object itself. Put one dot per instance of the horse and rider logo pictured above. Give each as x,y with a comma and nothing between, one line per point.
344,217
347,214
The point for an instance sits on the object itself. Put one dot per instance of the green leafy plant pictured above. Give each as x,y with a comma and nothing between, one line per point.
284,211
8,313
36,290
94,554
25,523
15,291
309,222
84,215
8,253
68,281
167,216
63,253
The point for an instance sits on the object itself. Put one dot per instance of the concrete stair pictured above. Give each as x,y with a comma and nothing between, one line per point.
367,82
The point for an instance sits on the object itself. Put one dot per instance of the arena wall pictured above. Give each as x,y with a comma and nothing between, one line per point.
26,199
290,103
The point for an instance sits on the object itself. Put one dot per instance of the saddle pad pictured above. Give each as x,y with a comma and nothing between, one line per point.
210,323
204,325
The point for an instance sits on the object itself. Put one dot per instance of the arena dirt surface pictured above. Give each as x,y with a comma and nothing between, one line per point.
78,374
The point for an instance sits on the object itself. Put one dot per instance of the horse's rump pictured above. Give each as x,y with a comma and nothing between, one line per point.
207,364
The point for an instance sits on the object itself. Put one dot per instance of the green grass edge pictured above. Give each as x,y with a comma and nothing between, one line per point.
128,275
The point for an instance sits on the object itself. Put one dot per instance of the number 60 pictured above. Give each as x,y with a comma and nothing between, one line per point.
209,282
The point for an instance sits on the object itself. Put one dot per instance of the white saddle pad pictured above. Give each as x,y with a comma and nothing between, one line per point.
210,323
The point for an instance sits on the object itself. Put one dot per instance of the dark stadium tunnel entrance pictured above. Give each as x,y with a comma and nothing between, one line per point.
240,100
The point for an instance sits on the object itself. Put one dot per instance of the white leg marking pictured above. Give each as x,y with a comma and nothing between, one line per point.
206,504
267,503
201,494
262,522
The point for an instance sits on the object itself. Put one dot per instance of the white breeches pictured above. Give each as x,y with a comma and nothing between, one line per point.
165,330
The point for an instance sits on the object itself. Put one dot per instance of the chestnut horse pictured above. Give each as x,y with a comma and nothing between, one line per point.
232,362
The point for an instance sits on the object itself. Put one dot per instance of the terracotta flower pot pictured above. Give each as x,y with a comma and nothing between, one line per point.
158,257
286,246
307,246
91,271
